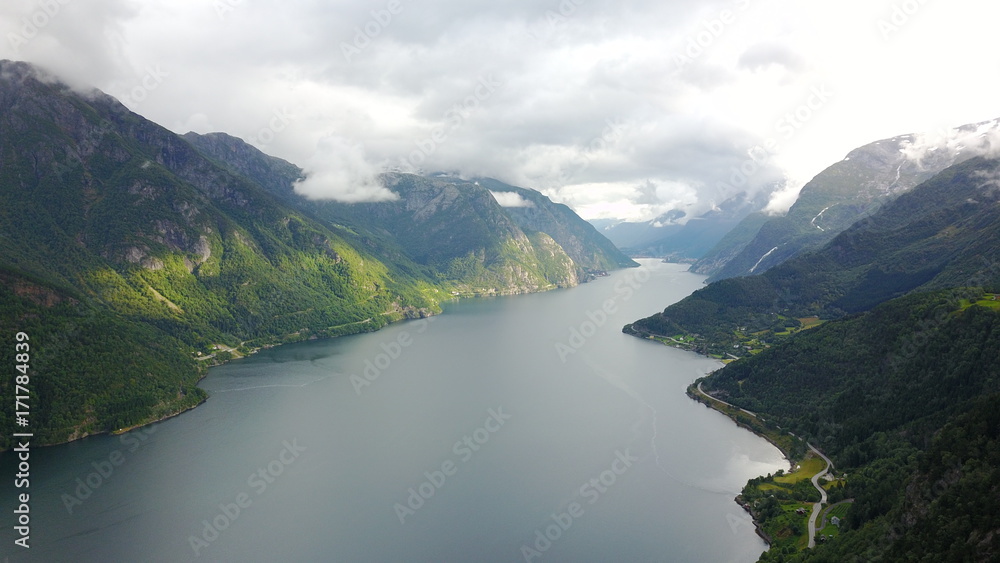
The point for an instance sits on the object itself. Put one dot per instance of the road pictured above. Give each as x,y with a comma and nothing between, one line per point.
702,391
818,507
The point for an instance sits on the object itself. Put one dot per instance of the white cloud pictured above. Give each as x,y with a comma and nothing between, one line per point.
562,81
953,143
339,171
511,199
783,199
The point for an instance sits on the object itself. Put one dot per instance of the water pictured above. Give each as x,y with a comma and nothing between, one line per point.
509,429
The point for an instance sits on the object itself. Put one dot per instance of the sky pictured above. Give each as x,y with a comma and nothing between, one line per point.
619,109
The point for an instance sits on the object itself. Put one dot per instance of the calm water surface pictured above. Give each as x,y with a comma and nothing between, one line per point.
510,429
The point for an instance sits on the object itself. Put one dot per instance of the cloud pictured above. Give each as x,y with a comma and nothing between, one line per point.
565,70
982,139
990,185
339,171
81,42
511,199
783,198
763,55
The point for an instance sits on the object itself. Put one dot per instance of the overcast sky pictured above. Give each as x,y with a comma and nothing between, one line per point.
619,109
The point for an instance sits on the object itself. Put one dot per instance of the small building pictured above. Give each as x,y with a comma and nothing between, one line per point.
800,511
835,521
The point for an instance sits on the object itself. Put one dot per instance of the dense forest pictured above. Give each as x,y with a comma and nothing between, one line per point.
900,399
944,233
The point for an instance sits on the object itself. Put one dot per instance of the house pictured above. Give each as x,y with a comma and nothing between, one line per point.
800,511
835,521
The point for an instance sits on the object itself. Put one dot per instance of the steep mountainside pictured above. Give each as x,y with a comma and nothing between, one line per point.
451,230
903,400
835,199
462,232
945,233
898,387
592,251
127,253
278,177
274,174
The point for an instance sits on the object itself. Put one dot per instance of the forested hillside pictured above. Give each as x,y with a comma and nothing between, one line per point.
902,398
944,233
128,254
450,230
134,258
882,349
839,196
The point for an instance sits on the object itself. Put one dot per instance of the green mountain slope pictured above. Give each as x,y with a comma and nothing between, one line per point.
944,233
592,251
835,199
902,399
126,252
278,177
448,230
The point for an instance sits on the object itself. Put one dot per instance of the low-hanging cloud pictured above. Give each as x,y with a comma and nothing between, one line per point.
339,171
511,199
81,42
783,198
982,139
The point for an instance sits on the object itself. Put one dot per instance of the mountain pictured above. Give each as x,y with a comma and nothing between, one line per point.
903,400
130,260
881,349
672,237
835,199
944,233
454,230
732,244
134,258
591,250
461,232
278,177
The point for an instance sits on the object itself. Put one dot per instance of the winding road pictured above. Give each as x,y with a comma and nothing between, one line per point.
818,507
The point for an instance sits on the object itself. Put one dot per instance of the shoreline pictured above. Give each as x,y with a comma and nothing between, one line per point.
699,395
734,413
291,339
695,392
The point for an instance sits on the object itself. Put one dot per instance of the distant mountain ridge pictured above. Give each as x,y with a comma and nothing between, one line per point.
844,193
944,233
674,236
